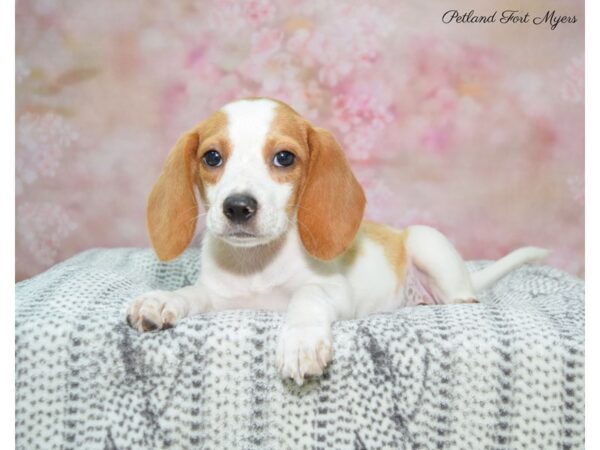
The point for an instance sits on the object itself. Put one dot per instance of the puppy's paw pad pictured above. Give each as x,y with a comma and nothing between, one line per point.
149,325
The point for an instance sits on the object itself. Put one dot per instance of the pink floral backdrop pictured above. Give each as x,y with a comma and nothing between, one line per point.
476,129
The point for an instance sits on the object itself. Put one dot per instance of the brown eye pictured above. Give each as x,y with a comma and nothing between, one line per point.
212,158
284,159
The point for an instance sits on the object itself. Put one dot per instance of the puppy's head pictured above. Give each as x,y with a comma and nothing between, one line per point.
259,168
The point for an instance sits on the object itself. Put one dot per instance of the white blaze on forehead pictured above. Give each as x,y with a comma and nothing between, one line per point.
248,122
247,171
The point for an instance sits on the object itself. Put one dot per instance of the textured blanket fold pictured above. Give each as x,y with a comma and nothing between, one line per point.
506,373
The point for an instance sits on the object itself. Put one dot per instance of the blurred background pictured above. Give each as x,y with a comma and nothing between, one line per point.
476,129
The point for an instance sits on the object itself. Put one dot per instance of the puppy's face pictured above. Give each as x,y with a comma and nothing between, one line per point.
252,161
258,168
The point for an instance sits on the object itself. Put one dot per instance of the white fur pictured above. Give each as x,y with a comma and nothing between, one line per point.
275,272
494,272
371,277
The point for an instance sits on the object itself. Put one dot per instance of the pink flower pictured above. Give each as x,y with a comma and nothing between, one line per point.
259,12
235,18
41,142
437,138
42,227
351,40
385,205
264,53
360,112
298,41
574,84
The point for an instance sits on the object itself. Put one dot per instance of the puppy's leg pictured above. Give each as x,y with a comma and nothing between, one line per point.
305,344
159,310
443,268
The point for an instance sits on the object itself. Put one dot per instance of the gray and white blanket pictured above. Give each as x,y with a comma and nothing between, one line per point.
506,373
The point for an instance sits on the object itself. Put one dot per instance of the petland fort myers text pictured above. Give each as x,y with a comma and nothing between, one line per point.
550,18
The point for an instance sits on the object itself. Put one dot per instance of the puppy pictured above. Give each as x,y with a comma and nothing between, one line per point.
285,232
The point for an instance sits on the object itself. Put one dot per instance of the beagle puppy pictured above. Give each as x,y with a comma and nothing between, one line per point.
285,232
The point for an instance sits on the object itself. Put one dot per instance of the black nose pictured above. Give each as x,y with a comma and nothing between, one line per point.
239,207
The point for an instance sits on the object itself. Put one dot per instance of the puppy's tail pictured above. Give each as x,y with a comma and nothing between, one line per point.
492,273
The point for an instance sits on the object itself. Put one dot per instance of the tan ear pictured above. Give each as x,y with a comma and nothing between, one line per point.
172,207
332,203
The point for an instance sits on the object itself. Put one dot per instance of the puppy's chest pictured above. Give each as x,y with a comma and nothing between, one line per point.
268,291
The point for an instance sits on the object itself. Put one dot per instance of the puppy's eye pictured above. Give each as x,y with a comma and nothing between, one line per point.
212,158
284,159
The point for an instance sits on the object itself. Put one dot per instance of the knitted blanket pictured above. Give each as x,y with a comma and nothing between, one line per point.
506,373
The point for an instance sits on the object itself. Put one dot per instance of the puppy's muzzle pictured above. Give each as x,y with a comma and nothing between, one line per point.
239,208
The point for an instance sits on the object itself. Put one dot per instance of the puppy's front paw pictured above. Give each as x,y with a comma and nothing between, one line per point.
156,310
303,350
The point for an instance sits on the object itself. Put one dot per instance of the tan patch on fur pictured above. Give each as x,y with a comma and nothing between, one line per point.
288,132
332,173
331,201
172,207
292,204
393,242
213,135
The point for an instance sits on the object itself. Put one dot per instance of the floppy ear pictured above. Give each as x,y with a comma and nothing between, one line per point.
172,207
332,203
